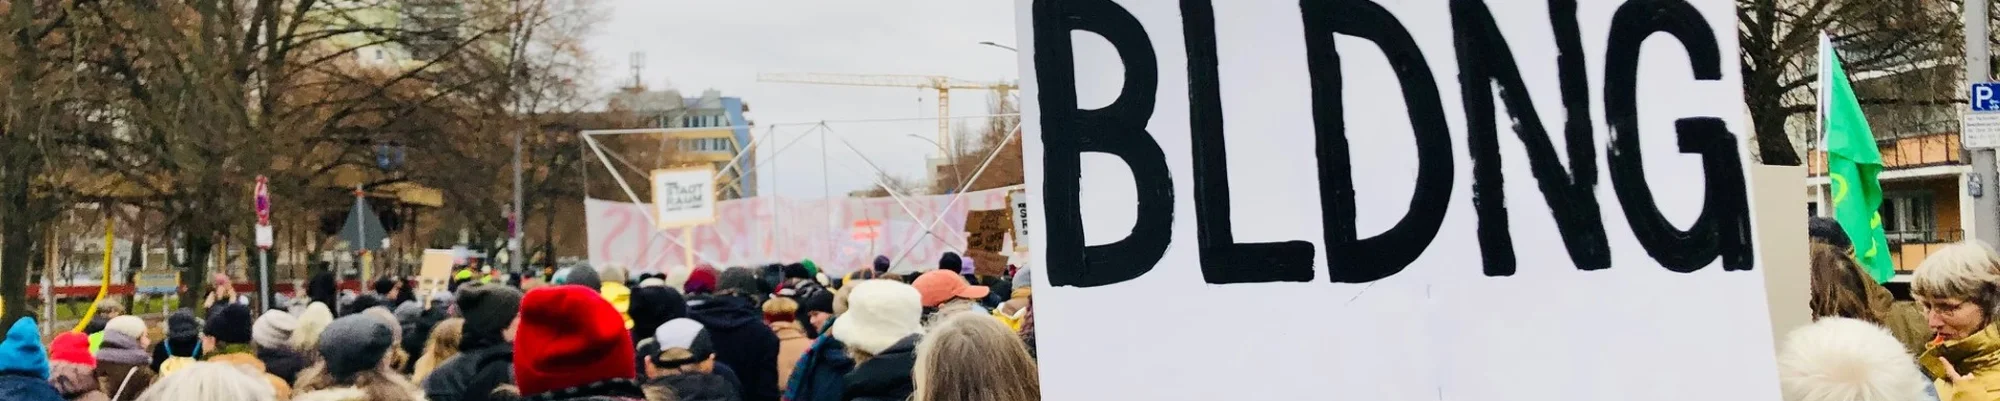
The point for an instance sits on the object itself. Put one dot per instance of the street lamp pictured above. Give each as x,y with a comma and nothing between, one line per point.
1009,48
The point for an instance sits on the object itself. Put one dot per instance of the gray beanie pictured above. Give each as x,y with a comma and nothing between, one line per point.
740,279
273,329
354,344
585,276
1024,278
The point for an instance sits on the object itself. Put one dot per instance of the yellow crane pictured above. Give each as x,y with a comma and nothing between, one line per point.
942,84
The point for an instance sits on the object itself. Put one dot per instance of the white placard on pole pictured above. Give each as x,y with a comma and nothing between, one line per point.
683,196
264,237
1391,200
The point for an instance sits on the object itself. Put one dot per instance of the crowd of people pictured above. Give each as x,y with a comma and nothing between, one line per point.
771,333
1864,344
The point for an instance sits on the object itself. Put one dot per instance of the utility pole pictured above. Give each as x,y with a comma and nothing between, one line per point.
1986,226
514,221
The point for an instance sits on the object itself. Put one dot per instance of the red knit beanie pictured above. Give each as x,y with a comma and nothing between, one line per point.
72,347
701,280
570,337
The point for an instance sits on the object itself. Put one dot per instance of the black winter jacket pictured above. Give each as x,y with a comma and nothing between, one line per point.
742,341
885,377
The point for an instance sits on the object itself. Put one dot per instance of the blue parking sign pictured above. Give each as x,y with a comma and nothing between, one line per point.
1986,96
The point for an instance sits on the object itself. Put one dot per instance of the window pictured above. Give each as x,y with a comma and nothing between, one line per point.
1909,217
707,145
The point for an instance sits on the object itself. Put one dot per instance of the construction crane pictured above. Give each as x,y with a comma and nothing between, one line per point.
943,85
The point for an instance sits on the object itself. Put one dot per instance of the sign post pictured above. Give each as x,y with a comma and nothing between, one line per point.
1982,121
1594,241
264,240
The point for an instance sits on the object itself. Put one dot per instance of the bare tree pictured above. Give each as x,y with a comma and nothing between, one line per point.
1876,37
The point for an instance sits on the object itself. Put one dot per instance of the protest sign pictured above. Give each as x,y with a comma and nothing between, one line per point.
1391,201
683,196
986,230
1017,202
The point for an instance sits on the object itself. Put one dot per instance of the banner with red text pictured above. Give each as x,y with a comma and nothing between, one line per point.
839,235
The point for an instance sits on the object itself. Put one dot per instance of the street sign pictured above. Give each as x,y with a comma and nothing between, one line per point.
263,200
1986,96
1982,118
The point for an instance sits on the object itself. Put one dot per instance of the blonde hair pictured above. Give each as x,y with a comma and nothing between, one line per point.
972,357
305,338
380,384
443,343
781,305
1966,270
209,381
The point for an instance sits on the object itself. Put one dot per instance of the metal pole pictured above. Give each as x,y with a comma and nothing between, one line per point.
264,278
1986,226
515,239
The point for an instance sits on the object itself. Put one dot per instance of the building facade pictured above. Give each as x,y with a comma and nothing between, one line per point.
709,129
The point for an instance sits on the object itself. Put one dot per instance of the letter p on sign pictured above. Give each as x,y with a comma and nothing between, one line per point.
1983,97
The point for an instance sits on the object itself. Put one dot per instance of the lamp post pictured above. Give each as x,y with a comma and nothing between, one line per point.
1009,48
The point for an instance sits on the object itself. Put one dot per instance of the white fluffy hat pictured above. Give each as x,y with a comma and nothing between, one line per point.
879,313
1841,359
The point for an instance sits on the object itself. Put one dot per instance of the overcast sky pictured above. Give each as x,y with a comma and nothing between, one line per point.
694,45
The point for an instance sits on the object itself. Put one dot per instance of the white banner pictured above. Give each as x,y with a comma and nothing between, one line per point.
1393,200
762,230
683,197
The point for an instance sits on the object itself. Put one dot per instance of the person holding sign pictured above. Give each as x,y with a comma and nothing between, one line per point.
1959,289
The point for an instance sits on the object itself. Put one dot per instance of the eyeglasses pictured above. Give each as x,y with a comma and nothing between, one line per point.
1941,307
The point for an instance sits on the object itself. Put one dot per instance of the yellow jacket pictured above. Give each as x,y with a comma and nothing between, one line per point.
1977,355
620,299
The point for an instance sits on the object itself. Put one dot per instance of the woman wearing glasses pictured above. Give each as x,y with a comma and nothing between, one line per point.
1959,289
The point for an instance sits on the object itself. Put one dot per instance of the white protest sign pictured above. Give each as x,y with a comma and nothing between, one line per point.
683,196
1418,200
1017,204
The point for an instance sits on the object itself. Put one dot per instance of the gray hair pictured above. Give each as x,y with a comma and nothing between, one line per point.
613,272
210,381
1968,271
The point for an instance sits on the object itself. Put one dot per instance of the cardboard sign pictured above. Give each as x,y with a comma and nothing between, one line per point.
1391,200
986,230
684,196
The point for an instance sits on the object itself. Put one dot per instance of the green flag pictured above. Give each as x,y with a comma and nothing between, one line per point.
1852,163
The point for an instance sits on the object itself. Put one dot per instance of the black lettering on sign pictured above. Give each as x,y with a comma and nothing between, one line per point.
1118,129
1723,228
1360,260
1485,61
1223,260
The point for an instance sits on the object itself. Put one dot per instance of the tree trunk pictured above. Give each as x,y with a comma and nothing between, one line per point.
194,270
16,252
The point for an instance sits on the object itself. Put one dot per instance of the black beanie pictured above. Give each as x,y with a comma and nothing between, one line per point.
361,303
882,263
797,270
653,306
951,262
230,324
384,284
488,309
1828,231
